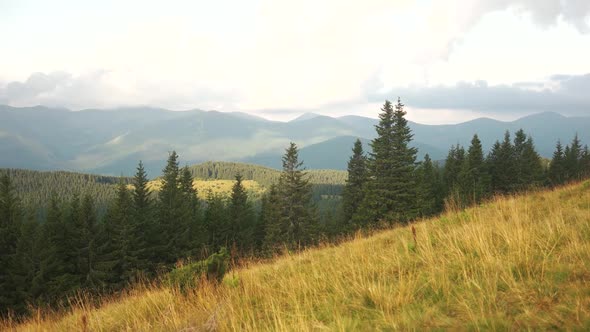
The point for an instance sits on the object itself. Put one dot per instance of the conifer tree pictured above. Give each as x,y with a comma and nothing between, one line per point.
353,193
216,222
10,223
473,177
391,190
242,217
503,166
296,213
530,167
146,225
170,213
430,188
453,165
270,218
192,237
572,156
557,166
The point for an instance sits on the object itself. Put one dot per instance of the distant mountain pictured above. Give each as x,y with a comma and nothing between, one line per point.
113,141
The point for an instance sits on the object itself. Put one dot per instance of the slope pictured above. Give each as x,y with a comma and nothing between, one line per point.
515,263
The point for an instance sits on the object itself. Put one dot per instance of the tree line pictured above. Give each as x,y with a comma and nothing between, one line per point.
144,234
388,185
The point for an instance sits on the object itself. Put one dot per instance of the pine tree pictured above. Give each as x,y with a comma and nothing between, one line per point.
270,217
145,223
353,193
473,177
193,237
585,162
572,157
10,223
557,166
453,165
430,188
530,167
217,222
391,190
297,214
503,166
242,217
170,214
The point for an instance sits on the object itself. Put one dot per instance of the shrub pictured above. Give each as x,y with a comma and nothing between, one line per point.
188,276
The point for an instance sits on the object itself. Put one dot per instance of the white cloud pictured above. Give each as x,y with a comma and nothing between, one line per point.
279,54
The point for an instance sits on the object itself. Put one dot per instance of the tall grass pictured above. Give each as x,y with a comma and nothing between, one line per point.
510,264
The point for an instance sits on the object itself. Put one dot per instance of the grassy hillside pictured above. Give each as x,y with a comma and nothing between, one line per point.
514,263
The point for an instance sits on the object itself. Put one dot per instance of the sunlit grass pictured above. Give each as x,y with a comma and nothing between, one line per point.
511,264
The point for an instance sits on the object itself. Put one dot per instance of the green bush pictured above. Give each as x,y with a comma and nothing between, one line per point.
188,276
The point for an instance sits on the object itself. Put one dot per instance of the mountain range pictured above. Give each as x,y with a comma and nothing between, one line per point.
113,141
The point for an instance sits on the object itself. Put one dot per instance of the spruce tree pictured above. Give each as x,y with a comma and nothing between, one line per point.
572,157
10,223
193,236
452,169
502,163
145,222
557,166
429,188
296,212
391,190
170,214
530,167
217,222
242,217
473,177
353,193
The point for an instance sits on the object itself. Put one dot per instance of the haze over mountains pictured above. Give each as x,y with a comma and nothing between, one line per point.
112,141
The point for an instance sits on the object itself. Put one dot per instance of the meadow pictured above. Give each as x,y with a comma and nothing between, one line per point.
512,263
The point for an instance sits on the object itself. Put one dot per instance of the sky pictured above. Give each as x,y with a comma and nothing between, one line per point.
449,61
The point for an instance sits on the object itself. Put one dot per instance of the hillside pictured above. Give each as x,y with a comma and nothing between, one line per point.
515,263
113,141
35,188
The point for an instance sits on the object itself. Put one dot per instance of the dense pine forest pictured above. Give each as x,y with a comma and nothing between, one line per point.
144,235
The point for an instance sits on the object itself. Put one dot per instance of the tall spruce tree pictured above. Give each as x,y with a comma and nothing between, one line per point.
193,230
430,193
391,190
353,193
242,218
557,166
146,224
530,167
473,178
294,221
10,223
503,166
452,169
170,213
572,157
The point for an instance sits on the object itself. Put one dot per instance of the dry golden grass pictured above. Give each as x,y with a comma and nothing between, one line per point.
514,263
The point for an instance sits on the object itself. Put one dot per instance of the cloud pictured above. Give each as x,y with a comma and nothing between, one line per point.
108,89
567,94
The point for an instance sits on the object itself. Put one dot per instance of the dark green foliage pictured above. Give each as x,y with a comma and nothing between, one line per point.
293,220
217,221
473,178
502,163
188,276
391,189
557,166
530,171
353,193
430,188
572,158
453,165
241,218
10,227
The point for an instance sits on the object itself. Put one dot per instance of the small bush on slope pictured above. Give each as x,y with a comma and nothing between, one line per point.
188,276
511,264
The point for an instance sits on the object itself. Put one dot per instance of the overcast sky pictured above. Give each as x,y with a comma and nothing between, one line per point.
449,61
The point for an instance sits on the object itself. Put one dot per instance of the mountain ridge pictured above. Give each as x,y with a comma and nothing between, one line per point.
112,141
